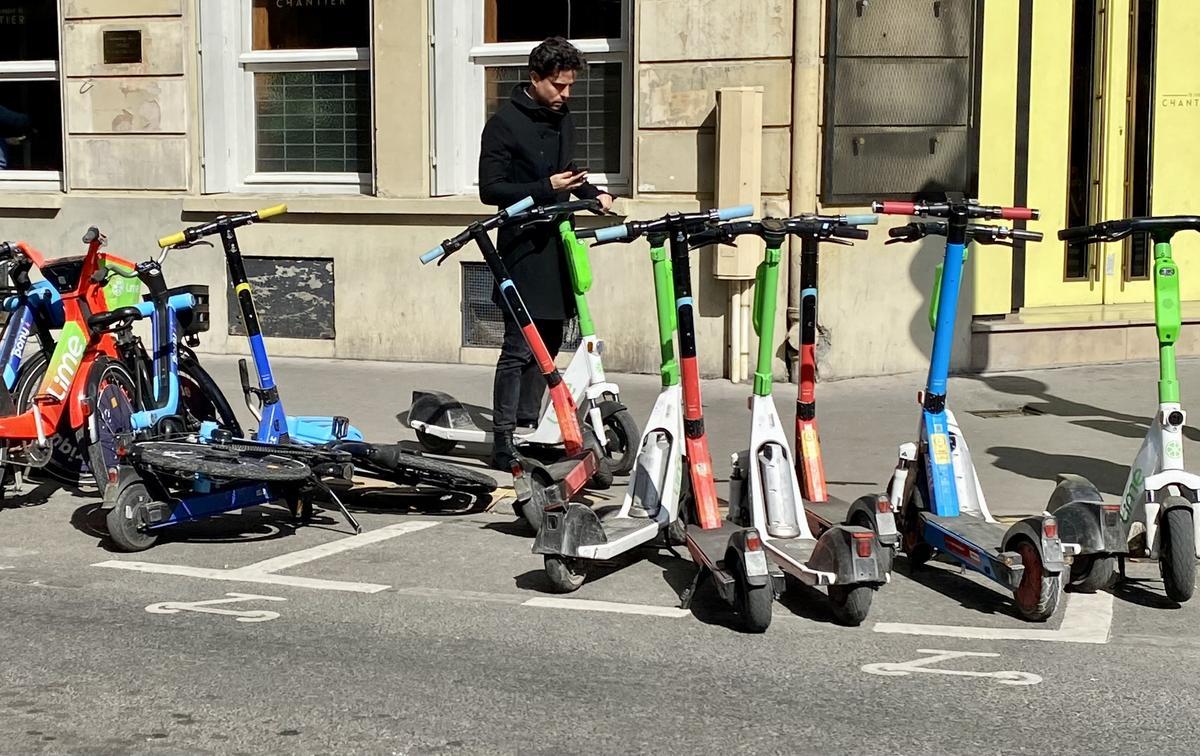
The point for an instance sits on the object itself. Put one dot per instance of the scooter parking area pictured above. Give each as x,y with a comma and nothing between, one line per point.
434,632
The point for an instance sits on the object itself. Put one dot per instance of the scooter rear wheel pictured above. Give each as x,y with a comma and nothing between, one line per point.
1038,594
566,574
850,603
753,603
126,520
1092,573
1177,550
435,444
621,432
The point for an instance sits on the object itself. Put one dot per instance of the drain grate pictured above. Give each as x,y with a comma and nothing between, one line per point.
1023,411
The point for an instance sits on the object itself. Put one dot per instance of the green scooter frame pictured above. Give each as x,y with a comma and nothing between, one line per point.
1156,517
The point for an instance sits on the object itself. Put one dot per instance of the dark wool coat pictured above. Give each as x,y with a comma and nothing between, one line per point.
523,144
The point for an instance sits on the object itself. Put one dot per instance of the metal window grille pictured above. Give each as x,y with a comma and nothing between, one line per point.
595,107
482,320
900,99
313,121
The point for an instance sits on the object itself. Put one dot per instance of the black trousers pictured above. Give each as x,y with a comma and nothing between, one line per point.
519,385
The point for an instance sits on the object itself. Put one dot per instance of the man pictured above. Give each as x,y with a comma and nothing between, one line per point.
527,149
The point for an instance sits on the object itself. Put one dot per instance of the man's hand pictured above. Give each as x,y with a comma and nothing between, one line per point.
606,201
566,181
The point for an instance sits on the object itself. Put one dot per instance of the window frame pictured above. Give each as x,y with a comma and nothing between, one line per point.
42,70
228,66
458,59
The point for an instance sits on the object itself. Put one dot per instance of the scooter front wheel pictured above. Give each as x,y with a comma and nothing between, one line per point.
566,574
435,444
1039,592
621,433
1177,552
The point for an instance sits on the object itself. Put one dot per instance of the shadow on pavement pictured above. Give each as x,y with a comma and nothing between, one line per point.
1108,477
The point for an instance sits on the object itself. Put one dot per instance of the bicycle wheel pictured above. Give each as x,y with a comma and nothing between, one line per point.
67,460
391,463
200,399
180,457
112,391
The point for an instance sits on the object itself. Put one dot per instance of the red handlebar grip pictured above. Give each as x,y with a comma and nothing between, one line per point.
1018,213
897,208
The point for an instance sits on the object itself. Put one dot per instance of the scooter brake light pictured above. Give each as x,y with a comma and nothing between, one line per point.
1110,507
862,544
517,472
1050,528
883,505
753,541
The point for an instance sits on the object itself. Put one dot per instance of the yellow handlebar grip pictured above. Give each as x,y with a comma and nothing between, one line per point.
172,240
270,212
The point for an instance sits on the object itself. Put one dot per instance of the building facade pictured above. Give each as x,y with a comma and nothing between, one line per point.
139,116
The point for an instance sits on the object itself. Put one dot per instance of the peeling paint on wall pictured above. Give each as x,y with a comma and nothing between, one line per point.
293,297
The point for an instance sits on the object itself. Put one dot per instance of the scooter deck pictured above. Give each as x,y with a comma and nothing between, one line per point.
796,550
970,527
714,541
830,512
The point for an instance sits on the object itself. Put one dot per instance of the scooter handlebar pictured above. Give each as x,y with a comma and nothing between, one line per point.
732,213
432,255
610,233
891,207
518,207
866,219
849,232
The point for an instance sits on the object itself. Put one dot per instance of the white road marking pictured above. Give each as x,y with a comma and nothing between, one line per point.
209,607
264,572
1087,619
903,669
585,605
287,561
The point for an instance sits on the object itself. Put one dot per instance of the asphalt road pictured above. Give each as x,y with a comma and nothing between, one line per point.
434,632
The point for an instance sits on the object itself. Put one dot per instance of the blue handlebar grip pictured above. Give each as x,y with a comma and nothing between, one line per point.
181,302
730,213
10,304
609,233
145,308
519,207
869,219
432,255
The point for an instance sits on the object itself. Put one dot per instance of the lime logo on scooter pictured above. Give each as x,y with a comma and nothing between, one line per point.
60,374
1132,494
1173,450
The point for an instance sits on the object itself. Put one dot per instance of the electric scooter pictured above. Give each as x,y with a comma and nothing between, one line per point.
1156,517
583,459
385,461
851,560
572,535
442,422
934,490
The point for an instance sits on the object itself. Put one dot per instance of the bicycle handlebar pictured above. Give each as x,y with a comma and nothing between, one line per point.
942,210
193,233
1115,230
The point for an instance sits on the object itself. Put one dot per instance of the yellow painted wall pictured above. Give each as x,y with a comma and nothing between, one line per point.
992,265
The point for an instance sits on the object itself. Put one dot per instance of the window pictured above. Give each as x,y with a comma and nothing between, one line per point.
287,94
480,51
900,103
30,95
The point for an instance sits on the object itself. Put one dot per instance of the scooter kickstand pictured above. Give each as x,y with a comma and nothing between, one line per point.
345,512
685,601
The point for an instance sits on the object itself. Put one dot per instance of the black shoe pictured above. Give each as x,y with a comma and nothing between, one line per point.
504,452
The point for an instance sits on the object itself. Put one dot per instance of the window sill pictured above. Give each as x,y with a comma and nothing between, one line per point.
358,205
18,199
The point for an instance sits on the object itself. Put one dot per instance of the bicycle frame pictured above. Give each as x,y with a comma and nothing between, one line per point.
61,389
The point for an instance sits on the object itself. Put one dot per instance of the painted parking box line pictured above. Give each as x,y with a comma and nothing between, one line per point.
585,605
264,572
1087,619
